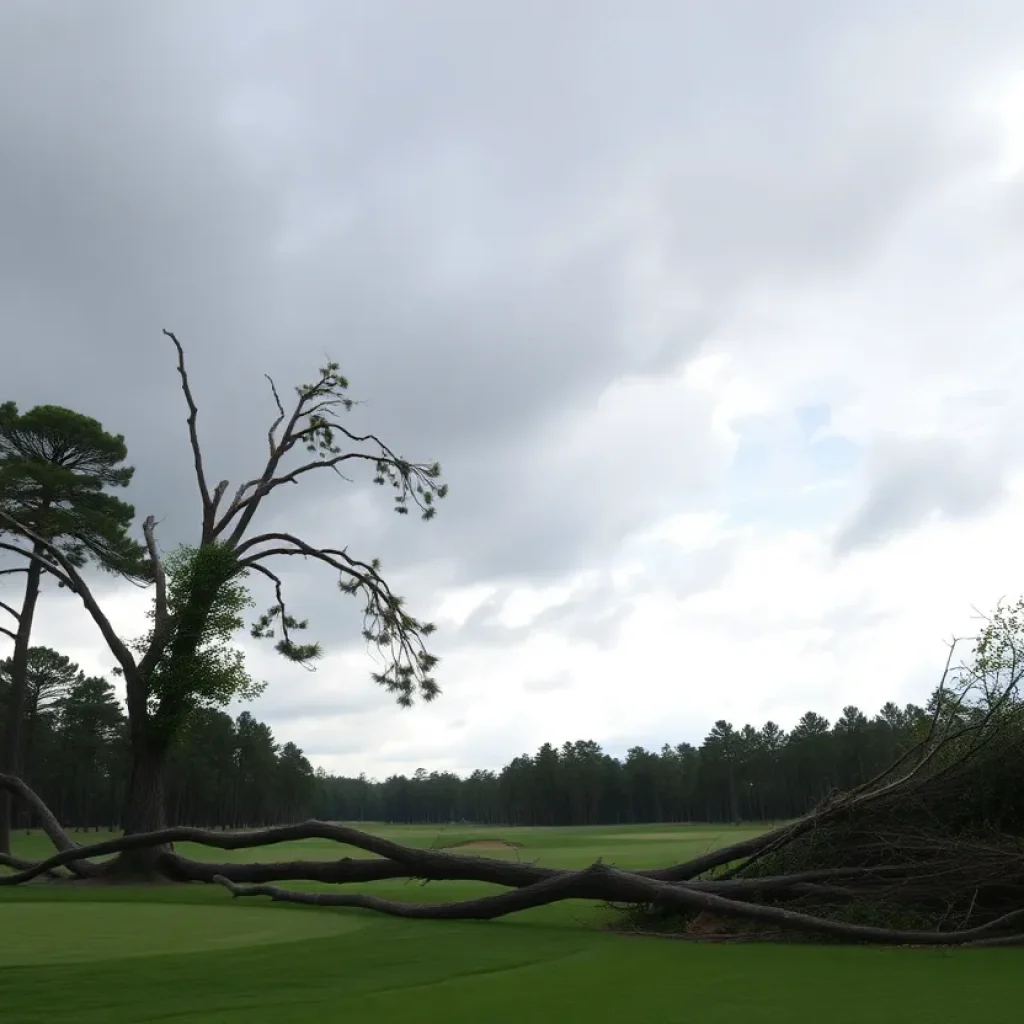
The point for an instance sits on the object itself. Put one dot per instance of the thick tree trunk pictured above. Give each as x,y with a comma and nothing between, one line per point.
144,809
10,754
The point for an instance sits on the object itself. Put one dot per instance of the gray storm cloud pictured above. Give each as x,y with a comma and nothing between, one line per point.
477,209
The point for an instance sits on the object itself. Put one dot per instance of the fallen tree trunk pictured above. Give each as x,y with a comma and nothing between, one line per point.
49,824
603,882
531,885
928,855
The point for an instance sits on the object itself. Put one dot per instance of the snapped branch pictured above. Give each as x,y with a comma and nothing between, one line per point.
272,432
159,576
209,502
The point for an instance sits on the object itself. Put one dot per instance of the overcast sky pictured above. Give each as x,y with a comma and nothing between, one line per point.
712,312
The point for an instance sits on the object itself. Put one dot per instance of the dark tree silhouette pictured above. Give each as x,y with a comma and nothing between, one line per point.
55,468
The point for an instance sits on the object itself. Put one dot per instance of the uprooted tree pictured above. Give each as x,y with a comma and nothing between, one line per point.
200,593
929,852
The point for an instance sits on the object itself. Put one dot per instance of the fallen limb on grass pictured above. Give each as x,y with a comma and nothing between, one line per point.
50,825
602,882
932,857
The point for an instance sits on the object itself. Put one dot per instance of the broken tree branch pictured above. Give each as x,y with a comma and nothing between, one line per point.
603,882
159,576
49,824
272,432
209,509
20,864
756,899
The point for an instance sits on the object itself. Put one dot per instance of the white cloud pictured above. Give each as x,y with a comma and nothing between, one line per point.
677,311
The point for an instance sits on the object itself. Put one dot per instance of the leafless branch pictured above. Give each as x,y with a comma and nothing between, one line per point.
50,825
600,881
218,494
4,606
159,576
193,434
313,412
21,864
272,432
248,506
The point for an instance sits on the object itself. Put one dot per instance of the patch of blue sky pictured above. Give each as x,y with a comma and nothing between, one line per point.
785,479
812,418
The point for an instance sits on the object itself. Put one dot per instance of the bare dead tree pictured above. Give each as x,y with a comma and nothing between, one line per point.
160,671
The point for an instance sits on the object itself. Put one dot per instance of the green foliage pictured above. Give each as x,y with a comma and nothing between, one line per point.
54,467
316,426
397,634
263,629
49,677
994,673
322,435
202,665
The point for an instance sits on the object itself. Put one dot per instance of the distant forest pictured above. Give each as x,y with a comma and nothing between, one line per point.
233,772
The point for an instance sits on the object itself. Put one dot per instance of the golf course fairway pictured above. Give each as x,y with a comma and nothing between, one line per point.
190,954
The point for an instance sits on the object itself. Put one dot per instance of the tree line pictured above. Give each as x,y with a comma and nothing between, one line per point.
233,772
744,774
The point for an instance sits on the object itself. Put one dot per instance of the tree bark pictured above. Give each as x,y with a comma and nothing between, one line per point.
10,756
144,809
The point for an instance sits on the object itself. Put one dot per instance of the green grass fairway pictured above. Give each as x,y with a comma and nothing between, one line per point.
192,954
66,932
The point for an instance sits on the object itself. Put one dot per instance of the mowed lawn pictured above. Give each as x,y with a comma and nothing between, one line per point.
191,953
